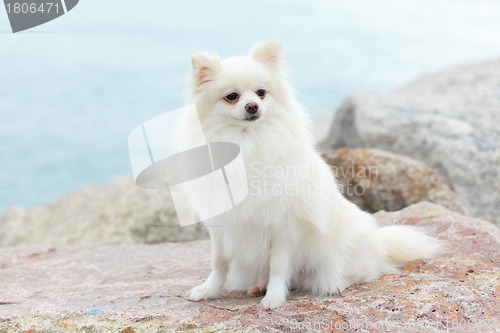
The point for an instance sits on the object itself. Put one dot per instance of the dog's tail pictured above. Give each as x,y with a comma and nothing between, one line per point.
406,243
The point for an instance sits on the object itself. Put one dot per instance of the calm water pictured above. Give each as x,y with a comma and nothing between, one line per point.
70,96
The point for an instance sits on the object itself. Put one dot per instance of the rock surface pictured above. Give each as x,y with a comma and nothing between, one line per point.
378,180
140,288
120,213
448,120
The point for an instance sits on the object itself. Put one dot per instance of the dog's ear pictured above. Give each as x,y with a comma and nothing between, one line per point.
204,65
268,53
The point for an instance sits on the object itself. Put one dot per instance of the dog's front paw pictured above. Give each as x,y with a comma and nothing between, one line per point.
203,291
337,288
272,301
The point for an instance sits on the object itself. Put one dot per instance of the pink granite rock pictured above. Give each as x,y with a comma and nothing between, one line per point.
140,288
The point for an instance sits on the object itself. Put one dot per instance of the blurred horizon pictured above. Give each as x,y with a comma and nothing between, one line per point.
70,97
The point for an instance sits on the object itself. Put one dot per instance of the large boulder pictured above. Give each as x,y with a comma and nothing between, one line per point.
119,213
449,120
141,288
378,180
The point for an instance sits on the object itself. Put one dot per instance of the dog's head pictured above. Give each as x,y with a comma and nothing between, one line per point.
241,90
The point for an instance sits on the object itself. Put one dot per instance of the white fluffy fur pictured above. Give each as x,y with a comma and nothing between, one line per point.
307,239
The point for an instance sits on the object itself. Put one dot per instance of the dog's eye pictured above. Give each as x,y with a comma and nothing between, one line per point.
231,97
261,93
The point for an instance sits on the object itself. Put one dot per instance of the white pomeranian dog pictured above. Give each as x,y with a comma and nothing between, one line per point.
294,230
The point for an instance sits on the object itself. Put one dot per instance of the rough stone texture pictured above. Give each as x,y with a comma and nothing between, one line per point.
378,180
140,288
449,120
120,213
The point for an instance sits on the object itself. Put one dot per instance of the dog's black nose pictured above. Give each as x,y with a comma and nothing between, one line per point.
252,107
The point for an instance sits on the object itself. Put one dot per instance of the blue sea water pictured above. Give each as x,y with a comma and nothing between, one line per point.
72,90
